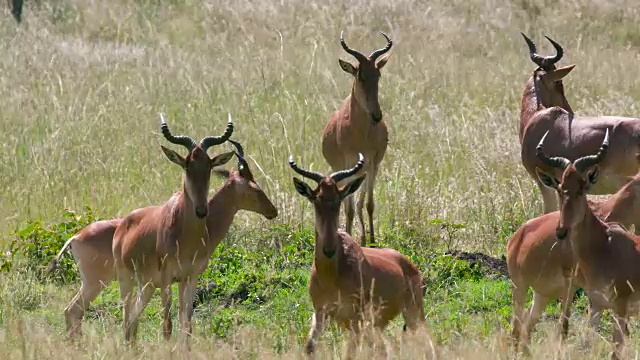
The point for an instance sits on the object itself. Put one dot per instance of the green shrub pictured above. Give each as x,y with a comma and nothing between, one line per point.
36,244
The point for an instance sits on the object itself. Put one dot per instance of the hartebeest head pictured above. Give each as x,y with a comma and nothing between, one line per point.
367,76
576,180
197,164
326,198
249,195
547,79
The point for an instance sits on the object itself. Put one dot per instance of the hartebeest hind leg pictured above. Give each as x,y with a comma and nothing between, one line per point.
74,312
167,325
144,296
349,212
371,181
549,198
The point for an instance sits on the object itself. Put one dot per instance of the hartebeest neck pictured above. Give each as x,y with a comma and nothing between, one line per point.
192,225
588,237
532,103
358,115
223,207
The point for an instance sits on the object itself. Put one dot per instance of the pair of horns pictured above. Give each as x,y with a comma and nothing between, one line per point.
189,143
242,162
336,176
581,164
374,55
545,62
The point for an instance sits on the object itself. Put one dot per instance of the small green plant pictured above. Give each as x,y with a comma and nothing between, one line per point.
37,244
450,228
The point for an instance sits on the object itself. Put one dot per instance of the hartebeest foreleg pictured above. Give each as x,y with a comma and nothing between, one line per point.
370,182
167,324
186,290
318,321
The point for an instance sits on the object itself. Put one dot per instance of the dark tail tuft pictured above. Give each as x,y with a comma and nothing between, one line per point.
53,265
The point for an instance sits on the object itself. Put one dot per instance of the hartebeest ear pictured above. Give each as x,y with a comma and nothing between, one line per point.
222,159
592,176
174,157
558,74
548,180
347,67
351,187
303,189
383,61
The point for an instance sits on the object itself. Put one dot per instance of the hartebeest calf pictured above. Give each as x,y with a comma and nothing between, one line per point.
346,279
545,108
92,246
157,246
607,255
537,259
358,127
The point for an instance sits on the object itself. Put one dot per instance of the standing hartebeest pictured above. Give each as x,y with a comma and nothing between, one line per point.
357,127
347,279
607,255
536,258
545,108
92,246
157,246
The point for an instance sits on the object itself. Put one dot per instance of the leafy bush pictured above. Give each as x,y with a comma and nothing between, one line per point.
445,270
37,244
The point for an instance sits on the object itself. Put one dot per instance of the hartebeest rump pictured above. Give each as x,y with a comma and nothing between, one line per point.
155,246
358,127
607,255
545,108
92,246
536,258
346,279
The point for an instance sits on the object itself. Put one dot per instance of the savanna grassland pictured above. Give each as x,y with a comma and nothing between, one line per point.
81,86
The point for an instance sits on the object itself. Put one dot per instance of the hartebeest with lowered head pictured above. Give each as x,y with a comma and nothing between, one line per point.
156,246
537,259
607,255
346,278
358,127
92,246
545,108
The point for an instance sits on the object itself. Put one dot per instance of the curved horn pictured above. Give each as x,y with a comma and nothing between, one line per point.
306,173
242,162
209,141
355,53
343,174
178,140
543,61
588,161
376,54
555,162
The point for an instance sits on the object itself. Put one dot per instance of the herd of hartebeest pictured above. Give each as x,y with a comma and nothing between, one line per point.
583,245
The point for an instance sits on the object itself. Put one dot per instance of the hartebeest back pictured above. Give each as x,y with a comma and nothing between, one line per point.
156,246
545,108
536,258
92,246
358,127
346,279
607,255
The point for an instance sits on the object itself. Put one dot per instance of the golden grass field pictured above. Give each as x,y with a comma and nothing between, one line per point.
82,83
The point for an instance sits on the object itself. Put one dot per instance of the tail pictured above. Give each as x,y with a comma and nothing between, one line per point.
53,265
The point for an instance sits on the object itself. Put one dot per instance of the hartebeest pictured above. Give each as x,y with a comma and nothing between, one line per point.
358,127
346,278
545,108
92,246
607,255
156,246
537,259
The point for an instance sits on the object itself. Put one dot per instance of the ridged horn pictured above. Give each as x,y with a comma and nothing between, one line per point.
210,141
178,140
316,176
343,174
376,54
555,162
588,161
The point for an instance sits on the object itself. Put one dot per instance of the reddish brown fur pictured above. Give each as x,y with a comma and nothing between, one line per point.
92,246
607,255
537,259
358,127
573,136
348,280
